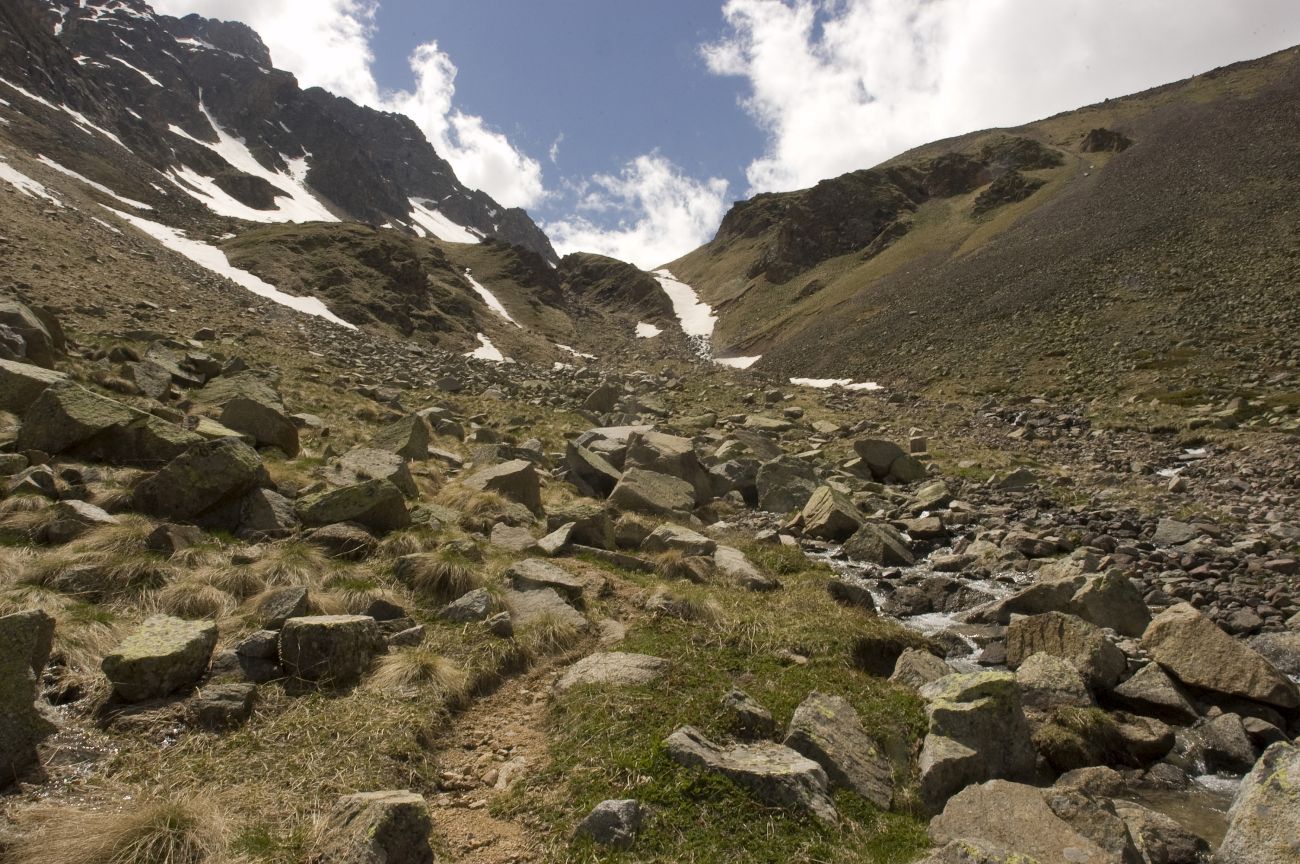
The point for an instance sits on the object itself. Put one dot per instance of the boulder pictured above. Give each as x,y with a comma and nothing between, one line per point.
1021,820
785,484
590,472
887,461
775,774
346,541
67,418
330,649
251,405
205,477
73,518
745,717
266,515
977,732
650,492
473,605
218,707
1160,839
22,383
1048,682
1224,745
544,605
515,539
1171,532
407,438
733,564
669,536
603,399
281,604
365,463
1280,649
671,455
879,543
830,515
150,378
916,668
612,669
1071,638
25,642
613,823
1153,693
827,730
1264,821
1111,600
376,504
1197,652
389,827
40,345
159,657
515,480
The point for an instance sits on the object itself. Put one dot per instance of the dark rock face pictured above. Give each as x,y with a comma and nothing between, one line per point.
367,165
1105,141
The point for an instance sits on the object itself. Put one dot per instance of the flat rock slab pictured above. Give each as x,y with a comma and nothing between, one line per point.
528,607
613,669
828,730
160,657
532,574
773,773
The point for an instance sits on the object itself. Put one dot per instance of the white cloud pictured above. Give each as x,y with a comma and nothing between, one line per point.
554,152
839,85
664,213
327,43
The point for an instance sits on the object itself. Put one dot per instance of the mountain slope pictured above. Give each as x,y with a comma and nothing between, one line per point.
1050,257
199,102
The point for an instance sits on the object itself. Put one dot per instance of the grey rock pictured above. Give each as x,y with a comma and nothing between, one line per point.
612,669
827,729
205,477
25,642
389,827
515,480
1152,692
613,823
159,657
474,605
878,543
746,718
368,463
218,707
22,383
532,574
376,504
830,515
1264,822
335,650
643,491
784,484
1071,638
669,536
916,668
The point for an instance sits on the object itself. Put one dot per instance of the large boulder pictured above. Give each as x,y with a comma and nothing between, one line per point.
1036,825
532,574
1071,638
887,461
733,564
1152,693
879,543
590,472
25,642
612,669
22,383
40,345
1264,822
671,455
1048,682
330,649
376,504
669,536
515,480
775,774
67,418
251,405
977,732
830,515
390,827
365,463
785,484
827,730
1197,652
205,477
407,438
650,492
1111,600
266,515
159,657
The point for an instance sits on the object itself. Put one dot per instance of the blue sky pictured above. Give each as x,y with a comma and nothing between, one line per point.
665,112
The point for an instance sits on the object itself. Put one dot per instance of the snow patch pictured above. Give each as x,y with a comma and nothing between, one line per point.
487,351
99,187
647,331
827,383
490,299
695,316
81,119
212,258
152,80
24,184
107,225
424,213
575,352
738,362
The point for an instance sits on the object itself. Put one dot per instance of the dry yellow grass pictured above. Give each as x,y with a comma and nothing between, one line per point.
193,599
443,575
423,670
293,562
167,831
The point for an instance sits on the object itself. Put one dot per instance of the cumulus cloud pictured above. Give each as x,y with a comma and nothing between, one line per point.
658,212
327,43
838,85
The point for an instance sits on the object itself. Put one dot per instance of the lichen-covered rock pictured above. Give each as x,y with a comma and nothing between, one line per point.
671,455
206,476
613,823
784,484
159,657
1048,682
330,649
916,668
1071,638
590,472
366,463
376,504
1196,651
1111,600
827,730
612,669
669,536
218,707
977,732
879,543
830,515
25,641
515,480
643,491
407,438
773,773
252,406
531,574
67,418
389,827
1264,822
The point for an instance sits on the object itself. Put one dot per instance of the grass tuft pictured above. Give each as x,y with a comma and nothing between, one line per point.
443,575
175,831
194,600
422,669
